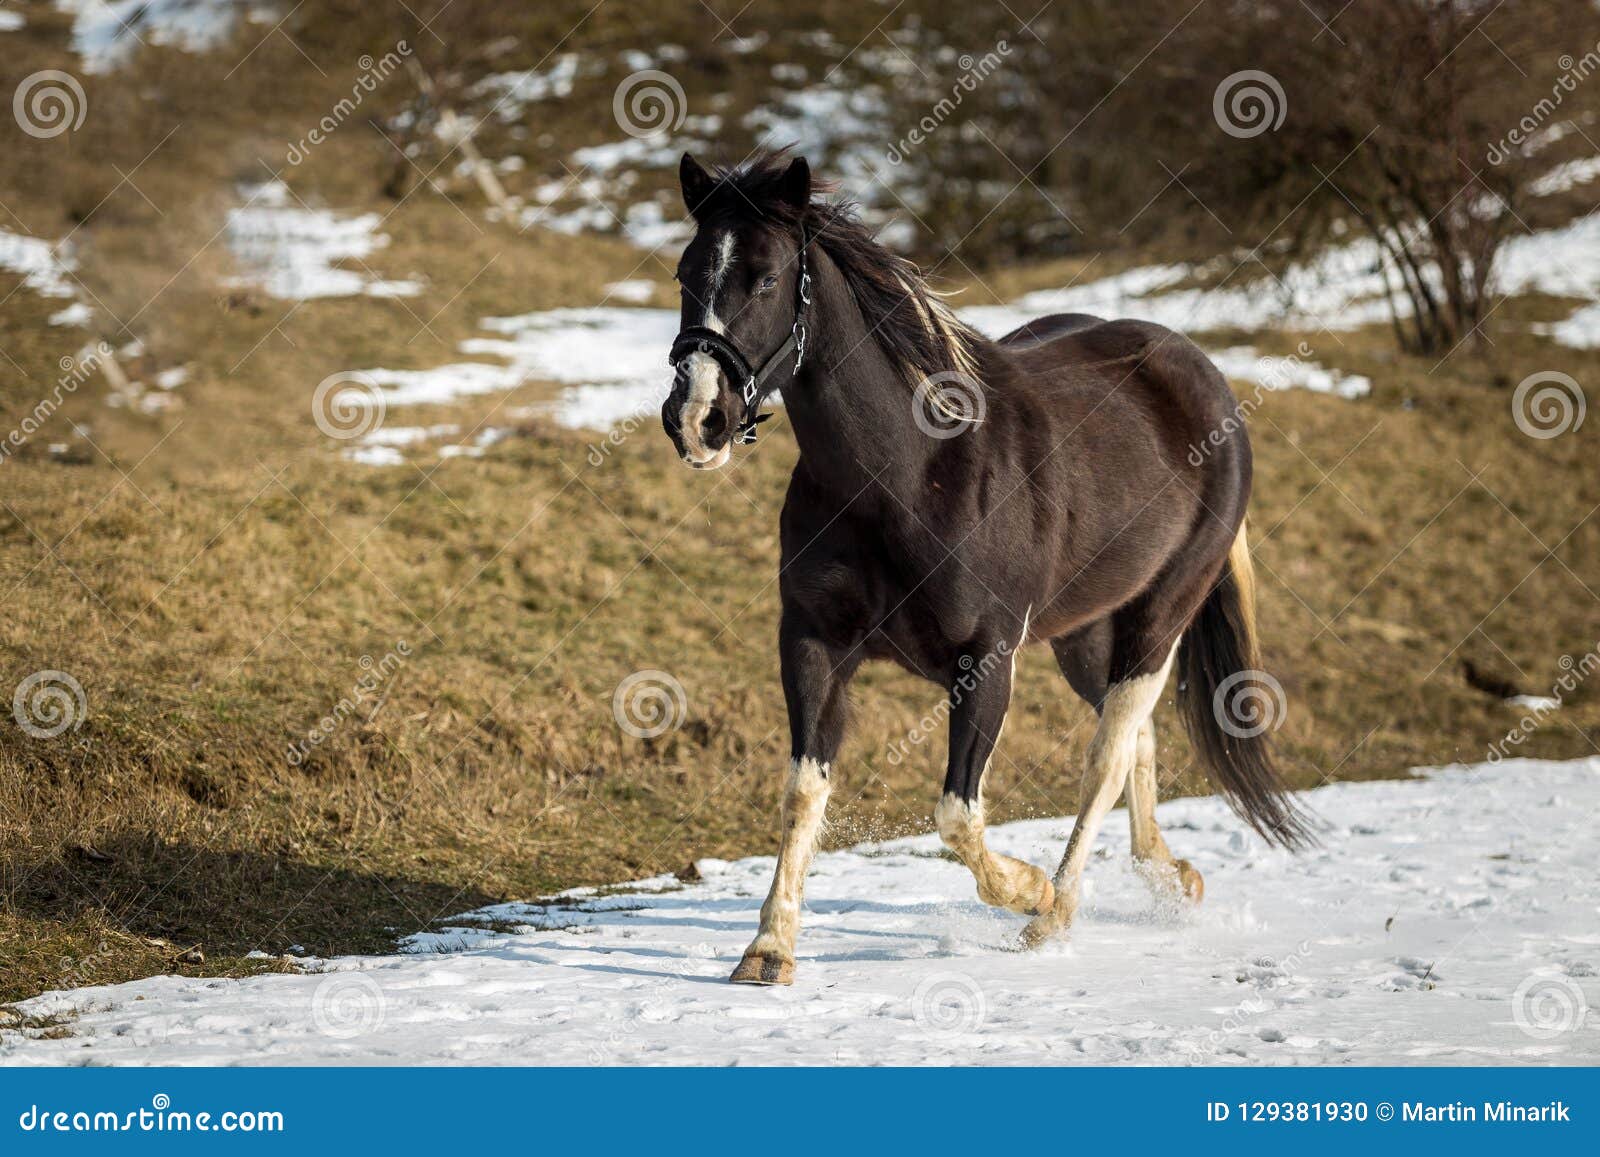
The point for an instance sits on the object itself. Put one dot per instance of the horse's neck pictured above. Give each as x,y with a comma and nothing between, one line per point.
851,407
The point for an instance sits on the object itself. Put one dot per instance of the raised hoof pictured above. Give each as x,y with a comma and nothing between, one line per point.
1192,882
763,970
1043,898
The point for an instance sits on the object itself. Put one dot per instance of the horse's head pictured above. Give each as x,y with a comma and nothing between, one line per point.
741,290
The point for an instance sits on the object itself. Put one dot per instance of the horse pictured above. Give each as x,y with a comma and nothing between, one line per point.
1078,482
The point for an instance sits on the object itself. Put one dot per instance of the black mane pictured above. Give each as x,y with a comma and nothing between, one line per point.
912,325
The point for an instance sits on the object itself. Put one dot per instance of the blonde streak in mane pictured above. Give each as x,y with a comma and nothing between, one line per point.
937,318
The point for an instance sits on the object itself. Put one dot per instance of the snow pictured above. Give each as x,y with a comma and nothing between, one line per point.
292,252
634,290
1341,289
1539,703
44,270
1580,331
843,128
611,360
512,92
1447,919
106,32
78,314
11,21
1278,373
1566,176
47,270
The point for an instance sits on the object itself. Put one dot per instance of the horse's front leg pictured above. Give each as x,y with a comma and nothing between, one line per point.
980,696
815,676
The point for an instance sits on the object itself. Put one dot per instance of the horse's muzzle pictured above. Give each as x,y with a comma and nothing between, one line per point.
696,415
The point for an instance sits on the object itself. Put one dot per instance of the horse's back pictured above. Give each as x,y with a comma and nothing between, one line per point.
1094,356
1048,328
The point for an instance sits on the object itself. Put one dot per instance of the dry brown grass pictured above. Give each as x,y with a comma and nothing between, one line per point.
212,576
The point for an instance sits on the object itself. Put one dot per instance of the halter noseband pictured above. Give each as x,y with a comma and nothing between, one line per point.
753,390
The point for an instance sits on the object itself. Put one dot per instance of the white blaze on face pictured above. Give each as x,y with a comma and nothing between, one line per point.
703,370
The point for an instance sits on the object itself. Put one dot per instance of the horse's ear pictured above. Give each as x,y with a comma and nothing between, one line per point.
795,188
697,184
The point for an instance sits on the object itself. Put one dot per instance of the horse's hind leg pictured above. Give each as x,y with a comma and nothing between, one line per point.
979,697
1140,662
1154,859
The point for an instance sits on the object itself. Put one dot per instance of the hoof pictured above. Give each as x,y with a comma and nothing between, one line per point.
1192,882
1043,927
763,970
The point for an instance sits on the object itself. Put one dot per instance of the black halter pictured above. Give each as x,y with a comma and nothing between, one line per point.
753,389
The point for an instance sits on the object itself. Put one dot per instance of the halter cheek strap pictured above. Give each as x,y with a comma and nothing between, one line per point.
753,389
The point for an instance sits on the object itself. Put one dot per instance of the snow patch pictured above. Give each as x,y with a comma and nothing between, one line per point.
105,33
292,252
636,290
512,92
1279,373
1566,176
1411,935
44,269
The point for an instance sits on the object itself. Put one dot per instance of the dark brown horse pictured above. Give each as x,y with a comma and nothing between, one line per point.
958,498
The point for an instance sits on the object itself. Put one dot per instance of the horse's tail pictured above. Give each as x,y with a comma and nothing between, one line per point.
1230,706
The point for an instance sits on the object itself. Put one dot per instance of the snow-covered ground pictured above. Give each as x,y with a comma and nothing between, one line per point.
1448,919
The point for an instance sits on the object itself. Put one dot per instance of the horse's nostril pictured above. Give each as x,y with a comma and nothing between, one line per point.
714,425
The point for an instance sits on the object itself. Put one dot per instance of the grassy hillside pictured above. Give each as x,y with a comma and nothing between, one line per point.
217,577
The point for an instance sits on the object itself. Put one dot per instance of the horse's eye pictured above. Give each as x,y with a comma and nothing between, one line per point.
769,281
